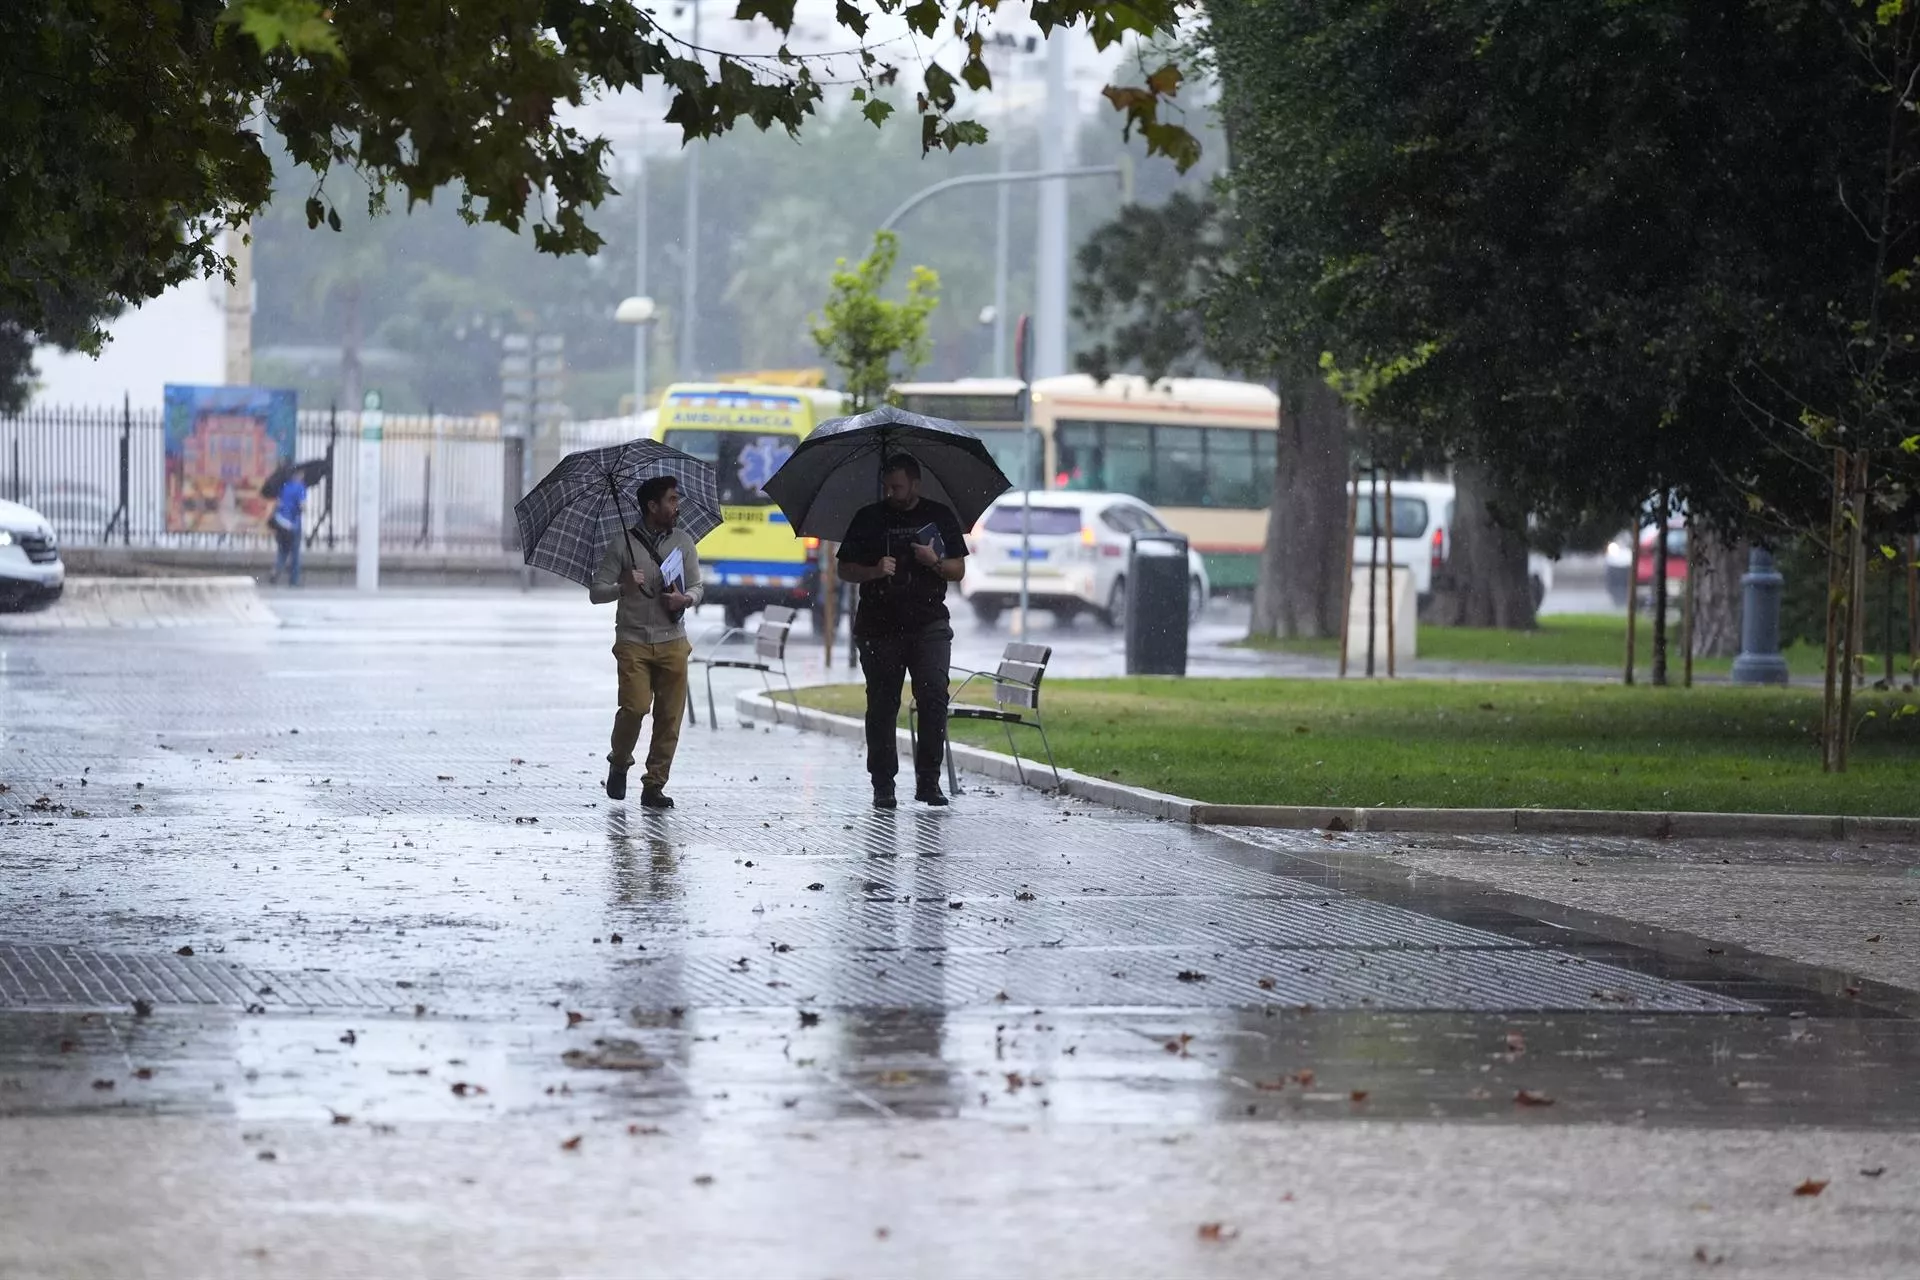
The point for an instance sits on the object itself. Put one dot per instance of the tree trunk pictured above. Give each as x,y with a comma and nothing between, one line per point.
1299,589
1484,582
1717,597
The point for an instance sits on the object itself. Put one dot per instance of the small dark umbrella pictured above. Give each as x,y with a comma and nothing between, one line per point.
572,516
310,473
836,470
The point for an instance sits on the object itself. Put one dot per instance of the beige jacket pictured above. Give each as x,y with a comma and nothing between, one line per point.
642,619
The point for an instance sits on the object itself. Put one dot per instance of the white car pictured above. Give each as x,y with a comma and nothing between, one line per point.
1078,543
31,575
1422,534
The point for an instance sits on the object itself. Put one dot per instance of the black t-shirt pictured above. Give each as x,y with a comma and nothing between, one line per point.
916,596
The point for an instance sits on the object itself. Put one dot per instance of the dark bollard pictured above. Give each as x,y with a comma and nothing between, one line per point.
1760,661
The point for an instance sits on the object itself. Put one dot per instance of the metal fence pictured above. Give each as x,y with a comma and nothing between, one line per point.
100,477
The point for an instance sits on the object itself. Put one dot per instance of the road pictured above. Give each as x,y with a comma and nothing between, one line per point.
321,954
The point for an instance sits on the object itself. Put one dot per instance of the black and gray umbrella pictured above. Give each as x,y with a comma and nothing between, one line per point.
310,473
836,470
572,517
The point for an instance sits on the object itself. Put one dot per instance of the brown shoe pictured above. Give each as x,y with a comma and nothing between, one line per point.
654,798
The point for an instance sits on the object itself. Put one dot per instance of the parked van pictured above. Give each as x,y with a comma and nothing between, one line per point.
1422,533
746,431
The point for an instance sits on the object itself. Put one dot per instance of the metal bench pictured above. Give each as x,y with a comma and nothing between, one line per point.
1016,701
769,659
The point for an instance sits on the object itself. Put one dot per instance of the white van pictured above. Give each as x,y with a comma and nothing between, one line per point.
1422,538
31,575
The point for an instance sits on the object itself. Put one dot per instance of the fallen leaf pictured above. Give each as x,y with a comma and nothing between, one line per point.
349,1038
1811,1187
1191,975
571,1144
575,1019
1304,1079
881,1233
342,1118
1528,1098
1873,1173
1358,1095
703,1180
268,1155
808,1018
1023,896
644,1130
1873,937
184,951
1268,984
146,1073
1015,1082
1516,1043
1701,1256
1270,1086
615,939
143,1008
1217,1232
461,1089
103,1084
816,886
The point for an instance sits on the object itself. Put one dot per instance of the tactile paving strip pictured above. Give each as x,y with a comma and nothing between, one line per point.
56,977
1152,978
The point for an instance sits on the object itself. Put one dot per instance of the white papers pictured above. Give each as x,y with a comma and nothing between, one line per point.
673,570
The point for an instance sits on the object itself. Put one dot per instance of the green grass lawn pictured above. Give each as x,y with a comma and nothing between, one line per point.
1561,640
1470,745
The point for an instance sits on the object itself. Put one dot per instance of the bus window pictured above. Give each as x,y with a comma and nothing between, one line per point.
1114,457
1180,467
1006,446
1231,477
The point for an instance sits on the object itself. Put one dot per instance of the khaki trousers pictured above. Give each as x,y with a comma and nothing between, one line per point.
653,677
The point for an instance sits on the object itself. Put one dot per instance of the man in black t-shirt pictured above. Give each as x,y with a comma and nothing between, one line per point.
903,551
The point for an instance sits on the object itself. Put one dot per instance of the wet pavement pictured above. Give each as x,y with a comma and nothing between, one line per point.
345,892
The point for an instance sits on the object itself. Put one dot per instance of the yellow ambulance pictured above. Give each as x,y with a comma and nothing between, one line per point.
746,430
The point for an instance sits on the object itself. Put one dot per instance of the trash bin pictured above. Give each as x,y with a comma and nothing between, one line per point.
1157,605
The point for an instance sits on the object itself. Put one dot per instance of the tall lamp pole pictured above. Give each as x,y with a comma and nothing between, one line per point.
687,362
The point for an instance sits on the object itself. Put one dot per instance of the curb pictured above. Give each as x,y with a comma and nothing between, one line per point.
1642,824
150,602
757,706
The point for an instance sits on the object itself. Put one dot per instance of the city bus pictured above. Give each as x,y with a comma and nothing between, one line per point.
746,431
1199,450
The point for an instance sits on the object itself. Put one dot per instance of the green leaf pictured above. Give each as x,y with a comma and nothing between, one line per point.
850,17
777,12
877,111
940,86
924,17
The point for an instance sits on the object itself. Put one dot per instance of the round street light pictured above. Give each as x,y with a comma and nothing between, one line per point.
636,311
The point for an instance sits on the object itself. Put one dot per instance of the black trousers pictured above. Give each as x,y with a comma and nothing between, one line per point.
887,660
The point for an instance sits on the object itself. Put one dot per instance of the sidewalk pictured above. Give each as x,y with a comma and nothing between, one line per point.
1015,1037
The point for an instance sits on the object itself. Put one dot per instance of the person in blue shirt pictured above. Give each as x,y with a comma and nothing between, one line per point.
286,531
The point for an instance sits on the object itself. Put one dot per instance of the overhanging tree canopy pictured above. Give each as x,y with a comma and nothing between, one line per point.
130,130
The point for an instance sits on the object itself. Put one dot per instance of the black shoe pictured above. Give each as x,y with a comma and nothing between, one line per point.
617,781
883,798
931,795
655,798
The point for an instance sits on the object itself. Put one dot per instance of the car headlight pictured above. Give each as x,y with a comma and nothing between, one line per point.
6,537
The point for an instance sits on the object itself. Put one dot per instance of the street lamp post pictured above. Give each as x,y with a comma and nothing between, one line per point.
640,312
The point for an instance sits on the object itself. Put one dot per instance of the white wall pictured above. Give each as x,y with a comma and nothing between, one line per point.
178,337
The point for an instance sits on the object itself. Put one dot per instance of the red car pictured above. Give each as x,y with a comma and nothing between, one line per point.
1620,561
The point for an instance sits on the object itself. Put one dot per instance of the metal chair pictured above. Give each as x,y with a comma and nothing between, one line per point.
769,659
1016,701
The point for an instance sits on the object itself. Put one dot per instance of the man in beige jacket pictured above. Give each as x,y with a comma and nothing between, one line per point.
654,588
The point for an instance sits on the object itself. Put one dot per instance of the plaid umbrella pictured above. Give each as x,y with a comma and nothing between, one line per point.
572,516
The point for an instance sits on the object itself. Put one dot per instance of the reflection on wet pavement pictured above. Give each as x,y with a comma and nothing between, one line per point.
345,868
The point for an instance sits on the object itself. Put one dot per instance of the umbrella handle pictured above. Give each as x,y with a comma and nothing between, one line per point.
626,528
